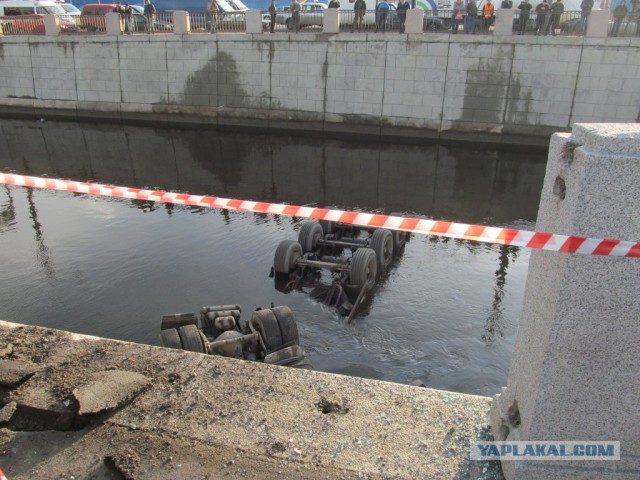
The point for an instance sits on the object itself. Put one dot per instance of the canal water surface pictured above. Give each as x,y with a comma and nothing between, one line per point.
446,314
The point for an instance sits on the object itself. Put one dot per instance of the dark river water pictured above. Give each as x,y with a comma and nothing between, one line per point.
446,314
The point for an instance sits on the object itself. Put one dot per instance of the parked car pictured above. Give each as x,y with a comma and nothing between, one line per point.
25,16
69,9
435,23
311,14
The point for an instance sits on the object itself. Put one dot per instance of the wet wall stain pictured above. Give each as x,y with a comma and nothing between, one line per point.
325,70
486,91
518,104
66,46
218,84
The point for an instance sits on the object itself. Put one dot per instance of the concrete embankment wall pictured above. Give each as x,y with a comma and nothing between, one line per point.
426,86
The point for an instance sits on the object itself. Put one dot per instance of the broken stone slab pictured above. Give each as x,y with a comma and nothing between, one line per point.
125,463
6,351
7,412
13,373
109,390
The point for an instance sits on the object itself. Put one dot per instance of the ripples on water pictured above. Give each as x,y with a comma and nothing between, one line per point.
446,313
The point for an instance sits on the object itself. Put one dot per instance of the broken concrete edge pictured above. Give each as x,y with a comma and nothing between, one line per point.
109,390
7,412
313,419
78,337
14,373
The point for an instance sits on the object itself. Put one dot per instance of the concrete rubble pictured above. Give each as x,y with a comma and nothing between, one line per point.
204,417
13,373
108,391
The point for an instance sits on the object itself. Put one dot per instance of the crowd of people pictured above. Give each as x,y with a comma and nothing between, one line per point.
546,16
127,13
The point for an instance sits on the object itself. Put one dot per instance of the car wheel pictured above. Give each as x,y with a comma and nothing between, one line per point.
382,244
265,322
364,268
170,339
287,324
286,256
190,338
399,238
309,235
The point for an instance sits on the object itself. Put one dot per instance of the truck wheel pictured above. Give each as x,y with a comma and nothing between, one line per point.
169,338
364,268
304,364
382,244
288,326
287,253
286,356
190,338
328,226
309,235
399,238
265,322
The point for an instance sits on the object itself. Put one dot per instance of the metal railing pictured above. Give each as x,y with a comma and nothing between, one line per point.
90,24
200,22
567,23
364,22
309,21
138,23
629,26
218,22
22,25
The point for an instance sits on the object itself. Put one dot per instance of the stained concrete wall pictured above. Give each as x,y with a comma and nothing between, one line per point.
431,85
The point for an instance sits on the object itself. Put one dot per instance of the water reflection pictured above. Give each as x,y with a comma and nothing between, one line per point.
42,252
445,313
7,212
442,182
495,323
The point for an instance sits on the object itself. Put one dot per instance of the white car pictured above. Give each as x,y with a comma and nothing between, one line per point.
311,14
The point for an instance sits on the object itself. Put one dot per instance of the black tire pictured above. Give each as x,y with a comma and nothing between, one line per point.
399,238
309,235
304,364
328,226
382,244
265,322
288,326
287,253
364,268
286,356
191,339
169,338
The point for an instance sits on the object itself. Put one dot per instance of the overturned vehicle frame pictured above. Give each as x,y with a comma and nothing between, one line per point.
321,246
270,336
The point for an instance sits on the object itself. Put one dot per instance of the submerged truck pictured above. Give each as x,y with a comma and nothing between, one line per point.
269,336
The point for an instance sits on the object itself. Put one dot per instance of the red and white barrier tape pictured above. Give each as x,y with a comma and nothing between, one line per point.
502,236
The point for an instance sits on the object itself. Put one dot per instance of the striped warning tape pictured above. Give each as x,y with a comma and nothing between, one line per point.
502,236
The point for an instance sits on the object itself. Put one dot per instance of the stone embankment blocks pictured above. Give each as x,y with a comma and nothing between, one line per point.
429,84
